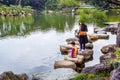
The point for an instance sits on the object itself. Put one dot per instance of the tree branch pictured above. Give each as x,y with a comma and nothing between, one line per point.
116,2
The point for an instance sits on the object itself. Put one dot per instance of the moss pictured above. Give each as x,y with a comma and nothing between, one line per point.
117,52
116,62
91,76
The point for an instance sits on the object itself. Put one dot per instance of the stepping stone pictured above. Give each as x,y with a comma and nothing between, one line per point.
79,59
64,64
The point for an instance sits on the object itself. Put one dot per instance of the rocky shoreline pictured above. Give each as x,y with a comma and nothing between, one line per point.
9,75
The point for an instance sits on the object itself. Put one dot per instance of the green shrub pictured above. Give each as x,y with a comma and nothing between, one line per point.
94,16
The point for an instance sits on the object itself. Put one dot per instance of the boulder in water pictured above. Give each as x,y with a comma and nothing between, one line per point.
88,54
56,74
79,59
11,76
64,64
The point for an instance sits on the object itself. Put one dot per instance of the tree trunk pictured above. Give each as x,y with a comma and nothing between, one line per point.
118,36
18,2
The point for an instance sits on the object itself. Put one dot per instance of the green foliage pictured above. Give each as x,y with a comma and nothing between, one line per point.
67,3
52,5
15,10
99,17
105,4
23,25
113,18
79,77
92,16
91,76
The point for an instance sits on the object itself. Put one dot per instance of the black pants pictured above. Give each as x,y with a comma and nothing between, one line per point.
82,41
82,46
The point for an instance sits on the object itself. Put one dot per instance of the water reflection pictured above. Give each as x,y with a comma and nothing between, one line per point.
15,26
40,46
21,26
59,22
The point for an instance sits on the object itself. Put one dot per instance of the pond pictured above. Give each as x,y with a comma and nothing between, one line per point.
31,44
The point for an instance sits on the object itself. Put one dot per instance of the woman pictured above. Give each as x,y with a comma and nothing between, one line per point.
83,36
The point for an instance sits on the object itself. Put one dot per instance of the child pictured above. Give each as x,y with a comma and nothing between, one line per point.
74,51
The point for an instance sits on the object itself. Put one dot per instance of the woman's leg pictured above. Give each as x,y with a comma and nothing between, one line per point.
80,43
83,46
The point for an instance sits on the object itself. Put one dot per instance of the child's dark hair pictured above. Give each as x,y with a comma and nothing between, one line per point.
73,42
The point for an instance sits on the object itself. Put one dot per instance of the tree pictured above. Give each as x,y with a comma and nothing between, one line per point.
104,4
51,4
18,2
36,4
68,3
92,16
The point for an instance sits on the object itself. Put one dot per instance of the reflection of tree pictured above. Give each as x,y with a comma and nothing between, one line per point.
15,26
20,26
56,21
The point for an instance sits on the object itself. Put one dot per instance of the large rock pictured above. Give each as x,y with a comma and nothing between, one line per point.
98,68
118,36
98,36
69,40
64,64
88,54
100,31
116,64
66,48
107,56
11,76
109,48
101,78
93,37
115,74
56,74
103,36
111,29
79,59
89,46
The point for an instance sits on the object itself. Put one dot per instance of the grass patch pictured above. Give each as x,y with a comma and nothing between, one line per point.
91,76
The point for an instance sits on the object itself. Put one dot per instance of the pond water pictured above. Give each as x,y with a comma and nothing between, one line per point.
31,44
